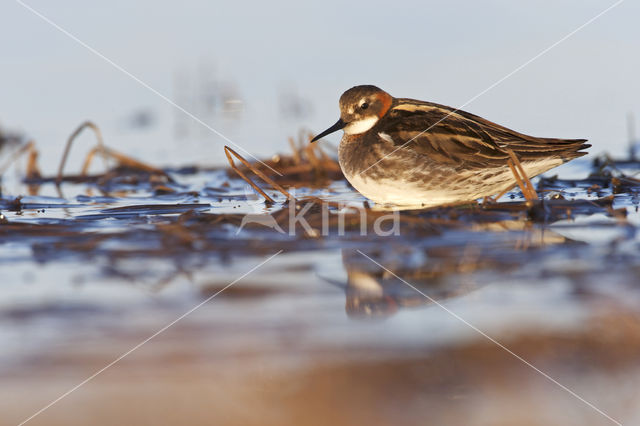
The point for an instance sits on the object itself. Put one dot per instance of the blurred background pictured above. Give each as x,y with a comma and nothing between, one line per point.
85,276
259,72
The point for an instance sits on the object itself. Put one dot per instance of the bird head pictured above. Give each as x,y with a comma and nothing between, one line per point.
360,109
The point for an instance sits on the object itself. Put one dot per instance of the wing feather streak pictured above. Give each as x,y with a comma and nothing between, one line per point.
453,136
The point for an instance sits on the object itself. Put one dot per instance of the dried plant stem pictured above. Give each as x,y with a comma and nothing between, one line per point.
295,151
28,147
229,152
122,159
98,133
33,171
323,155
311,156
100,148
88,159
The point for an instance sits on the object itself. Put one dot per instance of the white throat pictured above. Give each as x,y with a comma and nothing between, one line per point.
360,126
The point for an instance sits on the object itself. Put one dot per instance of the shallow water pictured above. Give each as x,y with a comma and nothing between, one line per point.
89,274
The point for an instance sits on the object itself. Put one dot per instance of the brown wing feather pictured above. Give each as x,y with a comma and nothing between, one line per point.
451,136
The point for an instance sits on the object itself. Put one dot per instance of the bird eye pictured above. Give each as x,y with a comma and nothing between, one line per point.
364,106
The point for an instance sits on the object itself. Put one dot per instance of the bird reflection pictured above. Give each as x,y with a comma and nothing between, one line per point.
374,292
439,268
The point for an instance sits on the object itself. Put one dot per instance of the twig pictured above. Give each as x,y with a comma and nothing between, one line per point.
73,136
17,154
295,151
122,159
229,152
311,156
33,171
302,141
323,155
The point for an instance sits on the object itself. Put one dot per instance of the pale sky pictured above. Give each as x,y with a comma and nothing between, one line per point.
446,52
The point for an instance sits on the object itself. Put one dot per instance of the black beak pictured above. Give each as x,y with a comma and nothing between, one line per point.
339,125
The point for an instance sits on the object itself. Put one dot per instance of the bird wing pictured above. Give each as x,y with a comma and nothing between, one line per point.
453,136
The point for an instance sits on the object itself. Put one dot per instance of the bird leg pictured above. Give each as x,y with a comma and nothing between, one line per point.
521,177
486,200
500,195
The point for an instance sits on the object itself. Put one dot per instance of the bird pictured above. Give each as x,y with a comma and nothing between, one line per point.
411,153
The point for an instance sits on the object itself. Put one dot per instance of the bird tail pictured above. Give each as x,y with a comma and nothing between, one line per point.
566,149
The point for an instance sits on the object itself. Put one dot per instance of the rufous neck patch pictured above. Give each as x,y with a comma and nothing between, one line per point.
386,100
